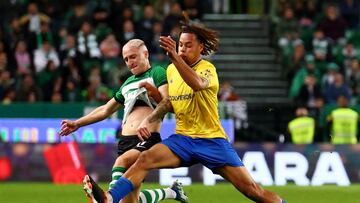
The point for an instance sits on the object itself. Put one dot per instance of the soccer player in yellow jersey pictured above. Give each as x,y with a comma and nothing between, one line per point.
199,138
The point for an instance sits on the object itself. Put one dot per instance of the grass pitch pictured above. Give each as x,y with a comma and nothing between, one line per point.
48,193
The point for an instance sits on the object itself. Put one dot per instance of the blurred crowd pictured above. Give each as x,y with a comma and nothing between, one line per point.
319,43
70,50
319,48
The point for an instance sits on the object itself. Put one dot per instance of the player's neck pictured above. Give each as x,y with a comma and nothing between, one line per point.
196,62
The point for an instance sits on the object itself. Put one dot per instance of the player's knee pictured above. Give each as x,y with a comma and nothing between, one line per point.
144,161
125,161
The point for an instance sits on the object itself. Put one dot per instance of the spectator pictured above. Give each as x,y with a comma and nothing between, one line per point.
193,8
329,77
27,91
321,46
87,42
287,29
310,94
118,75
43,55
9,96
145,24
100,22
14,32
44,34
69,50
56,98
305,11
4,62
333,25
23,58
352,78
298,80
350,10
46,80
227,93
302,128
337,89
348,54
157,54
88,47
96,91
110,48
129,32
6,83
33,18
162,8
172,19
295,62
71,91
72,72
115,20
78,17
344,123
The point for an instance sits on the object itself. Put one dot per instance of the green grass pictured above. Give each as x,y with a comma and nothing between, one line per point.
224,193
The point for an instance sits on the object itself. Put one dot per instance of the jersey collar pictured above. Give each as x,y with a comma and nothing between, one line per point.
194,64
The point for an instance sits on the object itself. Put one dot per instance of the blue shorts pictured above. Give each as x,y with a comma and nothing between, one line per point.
212,153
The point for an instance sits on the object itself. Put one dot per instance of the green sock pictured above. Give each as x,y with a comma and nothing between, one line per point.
116,173
156,195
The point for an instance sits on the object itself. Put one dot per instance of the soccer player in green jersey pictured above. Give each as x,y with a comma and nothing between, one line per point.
139,94
199,138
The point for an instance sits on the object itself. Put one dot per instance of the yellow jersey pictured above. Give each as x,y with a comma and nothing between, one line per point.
196,113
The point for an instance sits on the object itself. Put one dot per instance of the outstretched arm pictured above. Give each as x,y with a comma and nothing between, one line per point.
155,117
98,114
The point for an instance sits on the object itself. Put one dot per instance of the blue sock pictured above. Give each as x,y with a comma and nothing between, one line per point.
121,188
283,201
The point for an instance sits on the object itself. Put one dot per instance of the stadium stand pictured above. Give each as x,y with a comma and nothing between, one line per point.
70,51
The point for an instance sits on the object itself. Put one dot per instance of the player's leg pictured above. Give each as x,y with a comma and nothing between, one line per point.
175,191
159,156
218,155
122,163
127,158
242,180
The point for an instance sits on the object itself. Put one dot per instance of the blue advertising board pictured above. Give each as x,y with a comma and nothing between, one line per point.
46,131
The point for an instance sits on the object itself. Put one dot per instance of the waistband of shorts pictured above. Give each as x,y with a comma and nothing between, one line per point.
135,137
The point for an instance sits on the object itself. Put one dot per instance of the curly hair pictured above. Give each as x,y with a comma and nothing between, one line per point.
208,37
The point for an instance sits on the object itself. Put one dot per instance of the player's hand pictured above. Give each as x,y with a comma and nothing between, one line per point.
169,45
152,91
143,132
67,127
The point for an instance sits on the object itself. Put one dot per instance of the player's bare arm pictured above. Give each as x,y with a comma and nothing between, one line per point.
154,118
98,114
187,73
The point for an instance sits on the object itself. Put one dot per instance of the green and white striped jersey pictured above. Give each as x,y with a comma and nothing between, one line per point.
130,92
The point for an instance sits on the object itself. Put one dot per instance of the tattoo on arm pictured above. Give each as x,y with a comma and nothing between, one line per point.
160,111
205,81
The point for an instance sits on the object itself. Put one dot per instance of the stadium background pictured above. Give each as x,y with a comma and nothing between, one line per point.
67,60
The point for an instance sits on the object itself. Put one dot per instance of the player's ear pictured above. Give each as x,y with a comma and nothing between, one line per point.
146,53
201,47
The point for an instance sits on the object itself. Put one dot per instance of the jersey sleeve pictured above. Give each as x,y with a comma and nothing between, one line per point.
159,76
208,72
119,97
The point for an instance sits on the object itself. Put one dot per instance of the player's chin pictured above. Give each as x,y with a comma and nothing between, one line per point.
135,71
